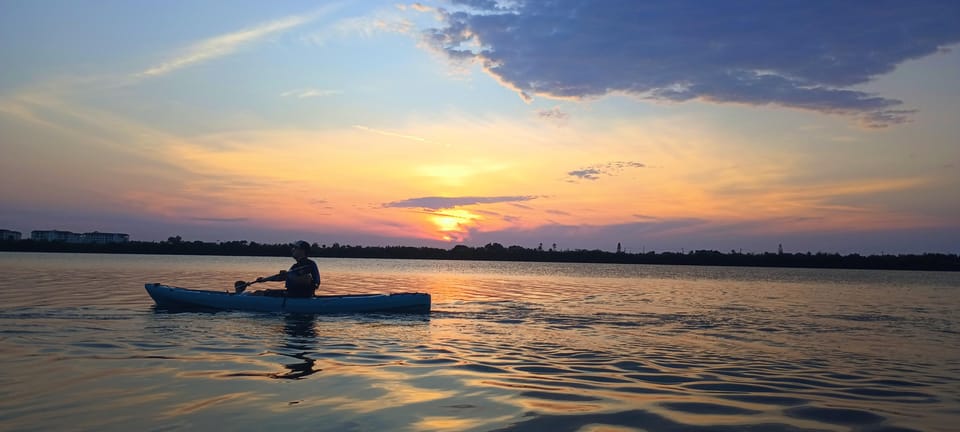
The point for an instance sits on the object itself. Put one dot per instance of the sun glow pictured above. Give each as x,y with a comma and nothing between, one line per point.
453,224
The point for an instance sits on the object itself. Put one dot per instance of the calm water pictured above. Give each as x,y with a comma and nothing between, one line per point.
509,346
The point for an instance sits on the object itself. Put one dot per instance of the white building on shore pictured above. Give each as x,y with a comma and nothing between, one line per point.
9,234
104,238
56,236
95,237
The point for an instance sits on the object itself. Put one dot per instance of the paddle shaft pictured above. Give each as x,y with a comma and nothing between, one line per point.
242,286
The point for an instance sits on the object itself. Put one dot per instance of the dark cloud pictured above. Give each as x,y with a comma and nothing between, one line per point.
608,169
487,213
451,202
803,54
586,174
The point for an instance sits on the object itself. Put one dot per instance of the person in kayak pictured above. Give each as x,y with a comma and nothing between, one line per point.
303,278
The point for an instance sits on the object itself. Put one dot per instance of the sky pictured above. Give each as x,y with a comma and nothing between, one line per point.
820,126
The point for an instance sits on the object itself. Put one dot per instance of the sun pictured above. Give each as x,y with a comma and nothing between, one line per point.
453,224
446,223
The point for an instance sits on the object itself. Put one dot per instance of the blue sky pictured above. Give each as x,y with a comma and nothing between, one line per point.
661,125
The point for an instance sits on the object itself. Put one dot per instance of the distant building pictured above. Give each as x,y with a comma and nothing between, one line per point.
9,235
95,237
56,236
104,238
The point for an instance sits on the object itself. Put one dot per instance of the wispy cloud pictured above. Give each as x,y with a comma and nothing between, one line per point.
390,134
436,203
225,44
366,26
553,114
594,172
309,93
421,7
220,220
646,218
586,174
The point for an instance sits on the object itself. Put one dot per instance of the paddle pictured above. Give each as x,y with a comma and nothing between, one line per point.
239,286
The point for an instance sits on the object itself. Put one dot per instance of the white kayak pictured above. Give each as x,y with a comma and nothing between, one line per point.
174,297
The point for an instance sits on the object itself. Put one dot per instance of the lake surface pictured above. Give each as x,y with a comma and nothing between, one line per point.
508,346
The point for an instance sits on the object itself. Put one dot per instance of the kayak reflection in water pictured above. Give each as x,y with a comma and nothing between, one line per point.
300,342
301,280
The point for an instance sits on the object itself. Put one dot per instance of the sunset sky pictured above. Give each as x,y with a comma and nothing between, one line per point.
820,125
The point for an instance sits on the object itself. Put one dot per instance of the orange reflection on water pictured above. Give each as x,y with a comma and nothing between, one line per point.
447,423
238,398
608,428
396,393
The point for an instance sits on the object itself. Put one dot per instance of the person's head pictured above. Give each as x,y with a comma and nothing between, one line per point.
301,249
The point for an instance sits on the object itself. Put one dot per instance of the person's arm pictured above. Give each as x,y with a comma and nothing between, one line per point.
315,276
282,276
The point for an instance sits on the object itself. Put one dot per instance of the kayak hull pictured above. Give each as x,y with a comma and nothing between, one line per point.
171,297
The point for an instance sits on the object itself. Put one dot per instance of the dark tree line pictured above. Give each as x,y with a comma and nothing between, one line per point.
498,252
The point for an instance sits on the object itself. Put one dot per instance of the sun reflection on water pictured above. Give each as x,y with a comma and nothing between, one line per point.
512,346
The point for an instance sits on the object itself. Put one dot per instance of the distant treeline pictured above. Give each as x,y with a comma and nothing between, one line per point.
498,252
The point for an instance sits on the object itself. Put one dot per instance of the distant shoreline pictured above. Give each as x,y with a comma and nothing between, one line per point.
497,252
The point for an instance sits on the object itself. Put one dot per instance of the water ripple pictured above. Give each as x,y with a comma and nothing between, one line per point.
510,346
